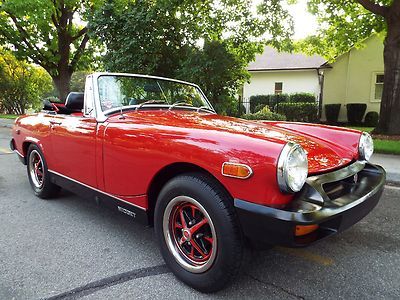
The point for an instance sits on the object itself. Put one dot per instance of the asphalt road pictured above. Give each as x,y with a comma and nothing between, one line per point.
70,248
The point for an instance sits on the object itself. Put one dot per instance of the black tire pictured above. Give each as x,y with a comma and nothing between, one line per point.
215,206
41,185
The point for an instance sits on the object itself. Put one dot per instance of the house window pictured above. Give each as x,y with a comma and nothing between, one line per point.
378,86
278,88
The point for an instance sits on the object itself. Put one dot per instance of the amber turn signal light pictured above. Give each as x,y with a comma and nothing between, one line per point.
236,170
305,229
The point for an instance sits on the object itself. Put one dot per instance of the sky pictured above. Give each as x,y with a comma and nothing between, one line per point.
304,22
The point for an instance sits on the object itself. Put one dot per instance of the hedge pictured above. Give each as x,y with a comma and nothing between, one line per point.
265,114
270,100
302,97
299,112
355,113
259,101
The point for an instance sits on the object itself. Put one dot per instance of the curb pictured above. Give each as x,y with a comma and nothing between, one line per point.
5,126
392,183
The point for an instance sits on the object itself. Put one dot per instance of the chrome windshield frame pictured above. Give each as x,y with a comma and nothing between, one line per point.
102,116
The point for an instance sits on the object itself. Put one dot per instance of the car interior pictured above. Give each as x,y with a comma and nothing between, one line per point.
73,105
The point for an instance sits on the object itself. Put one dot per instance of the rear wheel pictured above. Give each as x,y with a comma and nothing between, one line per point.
38,174
198,232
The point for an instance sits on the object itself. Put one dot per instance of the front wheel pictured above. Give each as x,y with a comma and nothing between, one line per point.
198,232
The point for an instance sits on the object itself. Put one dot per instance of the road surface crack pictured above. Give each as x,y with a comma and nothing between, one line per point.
104,283
275,286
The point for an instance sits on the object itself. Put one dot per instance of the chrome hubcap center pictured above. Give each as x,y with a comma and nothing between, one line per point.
186,234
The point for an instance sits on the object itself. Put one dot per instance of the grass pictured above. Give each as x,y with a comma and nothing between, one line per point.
387,146
381,145
8,116
366,129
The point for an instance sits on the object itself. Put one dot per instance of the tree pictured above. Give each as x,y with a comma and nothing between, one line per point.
347,23
193,40
47,33
22,84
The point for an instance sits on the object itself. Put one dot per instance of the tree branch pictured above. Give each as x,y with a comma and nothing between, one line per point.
374,7
79,52
80,33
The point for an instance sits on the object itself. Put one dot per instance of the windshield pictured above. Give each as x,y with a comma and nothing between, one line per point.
117,91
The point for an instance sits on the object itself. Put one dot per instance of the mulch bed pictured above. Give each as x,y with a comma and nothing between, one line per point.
386,137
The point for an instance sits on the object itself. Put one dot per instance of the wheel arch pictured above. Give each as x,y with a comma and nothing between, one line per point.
168,172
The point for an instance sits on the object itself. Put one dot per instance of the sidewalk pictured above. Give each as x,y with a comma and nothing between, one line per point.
6,123
391,163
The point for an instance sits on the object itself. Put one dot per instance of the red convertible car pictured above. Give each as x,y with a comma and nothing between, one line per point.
155,149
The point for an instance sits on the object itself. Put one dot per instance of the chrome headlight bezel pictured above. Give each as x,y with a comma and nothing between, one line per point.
365,146
292,151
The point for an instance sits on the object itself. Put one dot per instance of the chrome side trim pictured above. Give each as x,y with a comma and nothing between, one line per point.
16,151
97,190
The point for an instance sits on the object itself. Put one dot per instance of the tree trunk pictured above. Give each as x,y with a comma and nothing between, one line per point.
62,83
389,121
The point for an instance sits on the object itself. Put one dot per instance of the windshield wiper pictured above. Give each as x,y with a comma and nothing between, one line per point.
205,108
150,102
179,103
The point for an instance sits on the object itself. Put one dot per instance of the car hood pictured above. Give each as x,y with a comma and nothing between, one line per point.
323,154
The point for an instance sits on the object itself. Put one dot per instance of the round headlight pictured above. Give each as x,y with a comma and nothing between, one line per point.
365,146
292,168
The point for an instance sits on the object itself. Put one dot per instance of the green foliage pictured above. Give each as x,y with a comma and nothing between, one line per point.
48,33
343,24
192,40
302,97
22,84
259,101
355,112
270,100
332,112
259,107
78,80
371,119
299,112
264,114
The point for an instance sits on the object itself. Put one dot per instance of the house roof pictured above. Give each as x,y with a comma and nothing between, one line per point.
271,59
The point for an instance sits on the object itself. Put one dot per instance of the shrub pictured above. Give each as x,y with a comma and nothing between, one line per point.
270,100
332,112
256,101
259,107
299,112
265,114
302,97
355,113
371,119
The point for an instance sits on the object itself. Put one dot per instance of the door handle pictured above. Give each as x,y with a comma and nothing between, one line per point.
55,123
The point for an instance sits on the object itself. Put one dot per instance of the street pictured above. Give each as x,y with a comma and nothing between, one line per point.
69,248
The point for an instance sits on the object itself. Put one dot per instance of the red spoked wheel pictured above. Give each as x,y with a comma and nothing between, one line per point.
190,234
36,169
38,174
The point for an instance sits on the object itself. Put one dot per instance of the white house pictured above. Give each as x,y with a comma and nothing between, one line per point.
275,72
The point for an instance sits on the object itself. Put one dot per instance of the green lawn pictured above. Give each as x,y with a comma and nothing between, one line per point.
387,146
381,145
366,129
8,116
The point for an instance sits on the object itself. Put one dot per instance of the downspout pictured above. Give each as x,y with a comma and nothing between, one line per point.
321,77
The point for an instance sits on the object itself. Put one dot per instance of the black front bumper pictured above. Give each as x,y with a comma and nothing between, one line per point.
334,201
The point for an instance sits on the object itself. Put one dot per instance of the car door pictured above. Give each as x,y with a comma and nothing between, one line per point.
74,147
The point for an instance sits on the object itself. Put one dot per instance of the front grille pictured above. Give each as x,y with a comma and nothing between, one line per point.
340,188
